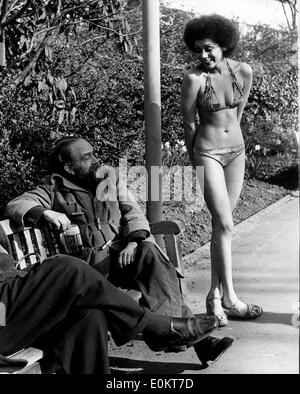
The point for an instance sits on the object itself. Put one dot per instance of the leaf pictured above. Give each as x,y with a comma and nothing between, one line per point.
59,104
22,41
121,36
61,116
73,93
126,46
73,115
50,78
43,16
27,80
41,86
62,94
48,52
67,116
62,84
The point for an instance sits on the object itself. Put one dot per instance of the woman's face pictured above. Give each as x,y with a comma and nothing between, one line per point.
211,54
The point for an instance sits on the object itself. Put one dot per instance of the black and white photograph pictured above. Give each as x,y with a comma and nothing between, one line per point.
149,204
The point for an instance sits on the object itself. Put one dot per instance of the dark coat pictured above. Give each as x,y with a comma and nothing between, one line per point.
99,221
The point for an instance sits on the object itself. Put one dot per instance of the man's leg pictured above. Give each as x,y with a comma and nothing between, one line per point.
79,343
51,294
155,277
45,297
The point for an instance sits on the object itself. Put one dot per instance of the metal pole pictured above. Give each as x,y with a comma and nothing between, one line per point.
152,107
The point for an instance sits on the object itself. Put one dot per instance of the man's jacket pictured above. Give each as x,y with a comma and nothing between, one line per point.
99,221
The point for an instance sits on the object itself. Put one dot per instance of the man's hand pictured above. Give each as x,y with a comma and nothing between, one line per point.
127,255
59,220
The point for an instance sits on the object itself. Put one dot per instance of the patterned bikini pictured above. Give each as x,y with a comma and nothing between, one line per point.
208,102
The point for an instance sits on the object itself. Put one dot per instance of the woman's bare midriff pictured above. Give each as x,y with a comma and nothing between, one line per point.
218,129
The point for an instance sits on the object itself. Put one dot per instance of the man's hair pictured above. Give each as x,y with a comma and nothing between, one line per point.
215,27
62,153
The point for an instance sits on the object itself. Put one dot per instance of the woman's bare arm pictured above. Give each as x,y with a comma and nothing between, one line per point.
189,93
246,73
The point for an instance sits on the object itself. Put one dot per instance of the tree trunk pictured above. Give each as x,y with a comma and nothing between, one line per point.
3,10
2,49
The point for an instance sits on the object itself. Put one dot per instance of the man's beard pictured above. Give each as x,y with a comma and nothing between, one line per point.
86,180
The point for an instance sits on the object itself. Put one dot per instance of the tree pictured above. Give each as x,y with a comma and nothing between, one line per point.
292,19
28,29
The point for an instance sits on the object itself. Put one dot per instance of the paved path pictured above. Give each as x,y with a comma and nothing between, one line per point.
266,272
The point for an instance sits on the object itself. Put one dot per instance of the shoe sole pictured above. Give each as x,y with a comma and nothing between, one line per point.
216,358
190,344
180,348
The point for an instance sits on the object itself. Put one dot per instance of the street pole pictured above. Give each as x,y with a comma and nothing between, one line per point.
152,107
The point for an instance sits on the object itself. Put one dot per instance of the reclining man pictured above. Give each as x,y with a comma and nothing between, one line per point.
64,307
71,195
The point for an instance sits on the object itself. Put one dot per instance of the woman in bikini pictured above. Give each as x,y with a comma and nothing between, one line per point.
213,98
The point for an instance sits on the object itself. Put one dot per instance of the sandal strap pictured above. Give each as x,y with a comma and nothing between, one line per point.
253,311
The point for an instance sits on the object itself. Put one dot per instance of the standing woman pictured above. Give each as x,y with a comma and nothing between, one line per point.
216,92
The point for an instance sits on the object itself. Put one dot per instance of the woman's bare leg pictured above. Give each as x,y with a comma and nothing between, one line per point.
221,191
234,177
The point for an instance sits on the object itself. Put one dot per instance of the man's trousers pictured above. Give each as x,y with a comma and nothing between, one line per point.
65,306
154,276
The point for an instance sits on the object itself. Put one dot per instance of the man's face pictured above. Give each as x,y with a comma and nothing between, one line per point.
84,163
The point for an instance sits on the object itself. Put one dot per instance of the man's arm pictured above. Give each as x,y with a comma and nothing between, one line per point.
31,207
133,218
36,201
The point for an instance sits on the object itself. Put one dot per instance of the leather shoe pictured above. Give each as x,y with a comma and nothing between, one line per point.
211,348
184,332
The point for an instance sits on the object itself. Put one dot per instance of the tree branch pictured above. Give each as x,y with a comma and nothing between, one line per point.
2,35
293,9
109,29
16,15
58,8
33,61
3,10
11,8
286,17
272,46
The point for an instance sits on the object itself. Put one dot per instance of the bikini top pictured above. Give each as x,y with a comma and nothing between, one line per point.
208,101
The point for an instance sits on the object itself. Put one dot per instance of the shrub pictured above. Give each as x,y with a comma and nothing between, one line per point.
109,102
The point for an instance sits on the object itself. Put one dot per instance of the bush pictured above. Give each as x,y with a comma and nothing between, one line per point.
109,102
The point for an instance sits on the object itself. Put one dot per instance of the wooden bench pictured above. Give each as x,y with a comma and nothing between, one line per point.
31,245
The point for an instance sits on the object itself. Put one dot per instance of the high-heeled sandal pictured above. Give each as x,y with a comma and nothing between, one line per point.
222,318
252,311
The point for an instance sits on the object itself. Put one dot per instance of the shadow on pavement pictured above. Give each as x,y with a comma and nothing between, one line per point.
272,317
277,318
120,365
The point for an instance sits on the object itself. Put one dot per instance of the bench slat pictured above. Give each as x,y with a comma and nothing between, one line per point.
16,241
10,227
30,248
40,243
32,356
49,241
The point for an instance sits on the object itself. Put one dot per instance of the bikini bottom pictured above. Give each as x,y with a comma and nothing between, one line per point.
223,155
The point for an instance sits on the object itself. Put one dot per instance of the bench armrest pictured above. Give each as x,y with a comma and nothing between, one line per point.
167,227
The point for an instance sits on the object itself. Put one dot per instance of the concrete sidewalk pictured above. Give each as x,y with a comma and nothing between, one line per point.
266,272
